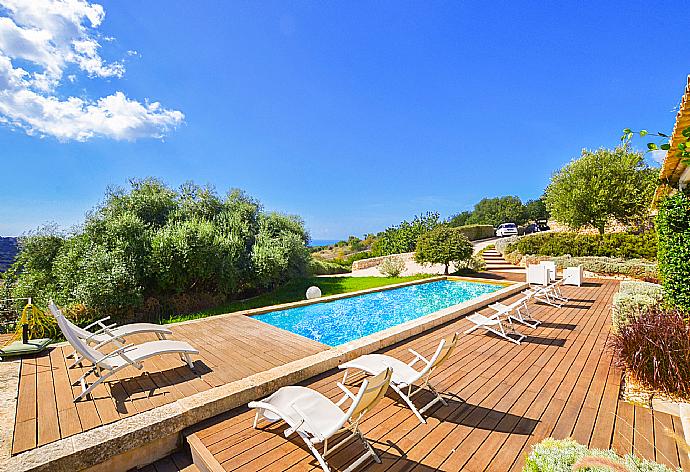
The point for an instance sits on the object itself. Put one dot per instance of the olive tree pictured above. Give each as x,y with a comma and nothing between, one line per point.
600,187
494,211
443,245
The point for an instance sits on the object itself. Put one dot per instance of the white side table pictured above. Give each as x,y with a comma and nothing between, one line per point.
573,276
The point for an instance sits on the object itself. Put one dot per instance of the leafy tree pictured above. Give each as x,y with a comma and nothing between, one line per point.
600,187
494,211
536,210
460,219
443,245
403,237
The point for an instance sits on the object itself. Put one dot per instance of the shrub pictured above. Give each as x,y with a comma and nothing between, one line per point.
321,267
673,224
514,257
566,455
623,245
443,245
634,298
392,266
475,232
476,263
654,349
501,245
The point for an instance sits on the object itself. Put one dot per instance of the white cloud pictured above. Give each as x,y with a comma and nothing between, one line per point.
40,40
658,156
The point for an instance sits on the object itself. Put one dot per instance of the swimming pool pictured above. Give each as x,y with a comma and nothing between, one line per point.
339,321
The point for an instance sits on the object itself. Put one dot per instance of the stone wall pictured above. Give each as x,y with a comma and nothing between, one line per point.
375,261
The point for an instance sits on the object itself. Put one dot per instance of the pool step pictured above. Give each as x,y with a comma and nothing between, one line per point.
202,457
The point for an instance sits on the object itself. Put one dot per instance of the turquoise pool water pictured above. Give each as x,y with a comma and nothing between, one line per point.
337,322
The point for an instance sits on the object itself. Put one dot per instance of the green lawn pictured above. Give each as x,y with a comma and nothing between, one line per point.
295,290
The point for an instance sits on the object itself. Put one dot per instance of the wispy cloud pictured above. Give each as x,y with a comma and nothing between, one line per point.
658,156
45,42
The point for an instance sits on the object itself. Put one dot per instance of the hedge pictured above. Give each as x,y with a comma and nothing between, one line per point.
623,245
475,232
673,225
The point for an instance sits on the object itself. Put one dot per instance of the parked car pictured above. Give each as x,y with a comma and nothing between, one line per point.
531,228
506,229
543,225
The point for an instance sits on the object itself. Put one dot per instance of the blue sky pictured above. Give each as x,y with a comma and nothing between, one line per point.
354,115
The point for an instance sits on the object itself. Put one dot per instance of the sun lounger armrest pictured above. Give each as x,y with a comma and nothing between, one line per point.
117,352
97,322
104,330
347,392
418,357
120,352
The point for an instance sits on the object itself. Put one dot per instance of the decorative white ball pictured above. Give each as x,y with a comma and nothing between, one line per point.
313,292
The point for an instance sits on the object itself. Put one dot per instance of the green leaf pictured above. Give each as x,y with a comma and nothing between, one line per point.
665,146
643,133
652,146
686,132
627,131
682,146
662,134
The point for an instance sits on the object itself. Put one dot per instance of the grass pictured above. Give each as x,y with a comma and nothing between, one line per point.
295,290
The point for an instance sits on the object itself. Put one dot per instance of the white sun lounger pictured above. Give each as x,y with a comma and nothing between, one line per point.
550,294
518,311
105,365
404,375
494,325
316,419
108,333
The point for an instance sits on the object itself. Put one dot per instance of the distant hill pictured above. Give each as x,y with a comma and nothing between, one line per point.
8,251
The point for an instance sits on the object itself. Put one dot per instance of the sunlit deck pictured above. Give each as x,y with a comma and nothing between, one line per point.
504,398
231,348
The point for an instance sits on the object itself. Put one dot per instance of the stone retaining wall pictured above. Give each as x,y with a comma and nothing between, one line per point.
374,261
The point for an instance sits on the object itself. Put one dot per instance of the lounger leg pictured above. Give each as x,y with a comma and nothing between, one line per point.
90,388
407,400
187,358
316,453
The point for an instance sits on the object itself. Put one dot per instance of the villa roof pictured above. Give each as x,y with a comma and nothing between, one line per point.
673,169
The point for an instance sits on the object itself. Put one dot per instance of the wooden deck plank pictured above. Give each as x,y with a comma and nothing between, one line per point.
48,426
665,446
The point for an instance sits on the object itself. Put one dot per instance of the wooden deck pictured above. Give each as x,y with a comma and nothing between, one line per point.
231,348
503,398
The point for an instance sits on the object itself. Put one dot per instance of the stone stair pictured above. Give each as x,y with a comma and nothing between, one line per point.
496,263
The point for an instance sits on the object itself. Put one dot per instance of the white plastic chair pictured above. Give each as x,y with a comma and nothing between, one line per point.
404,375
105,365
316,419
537,274
551,268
